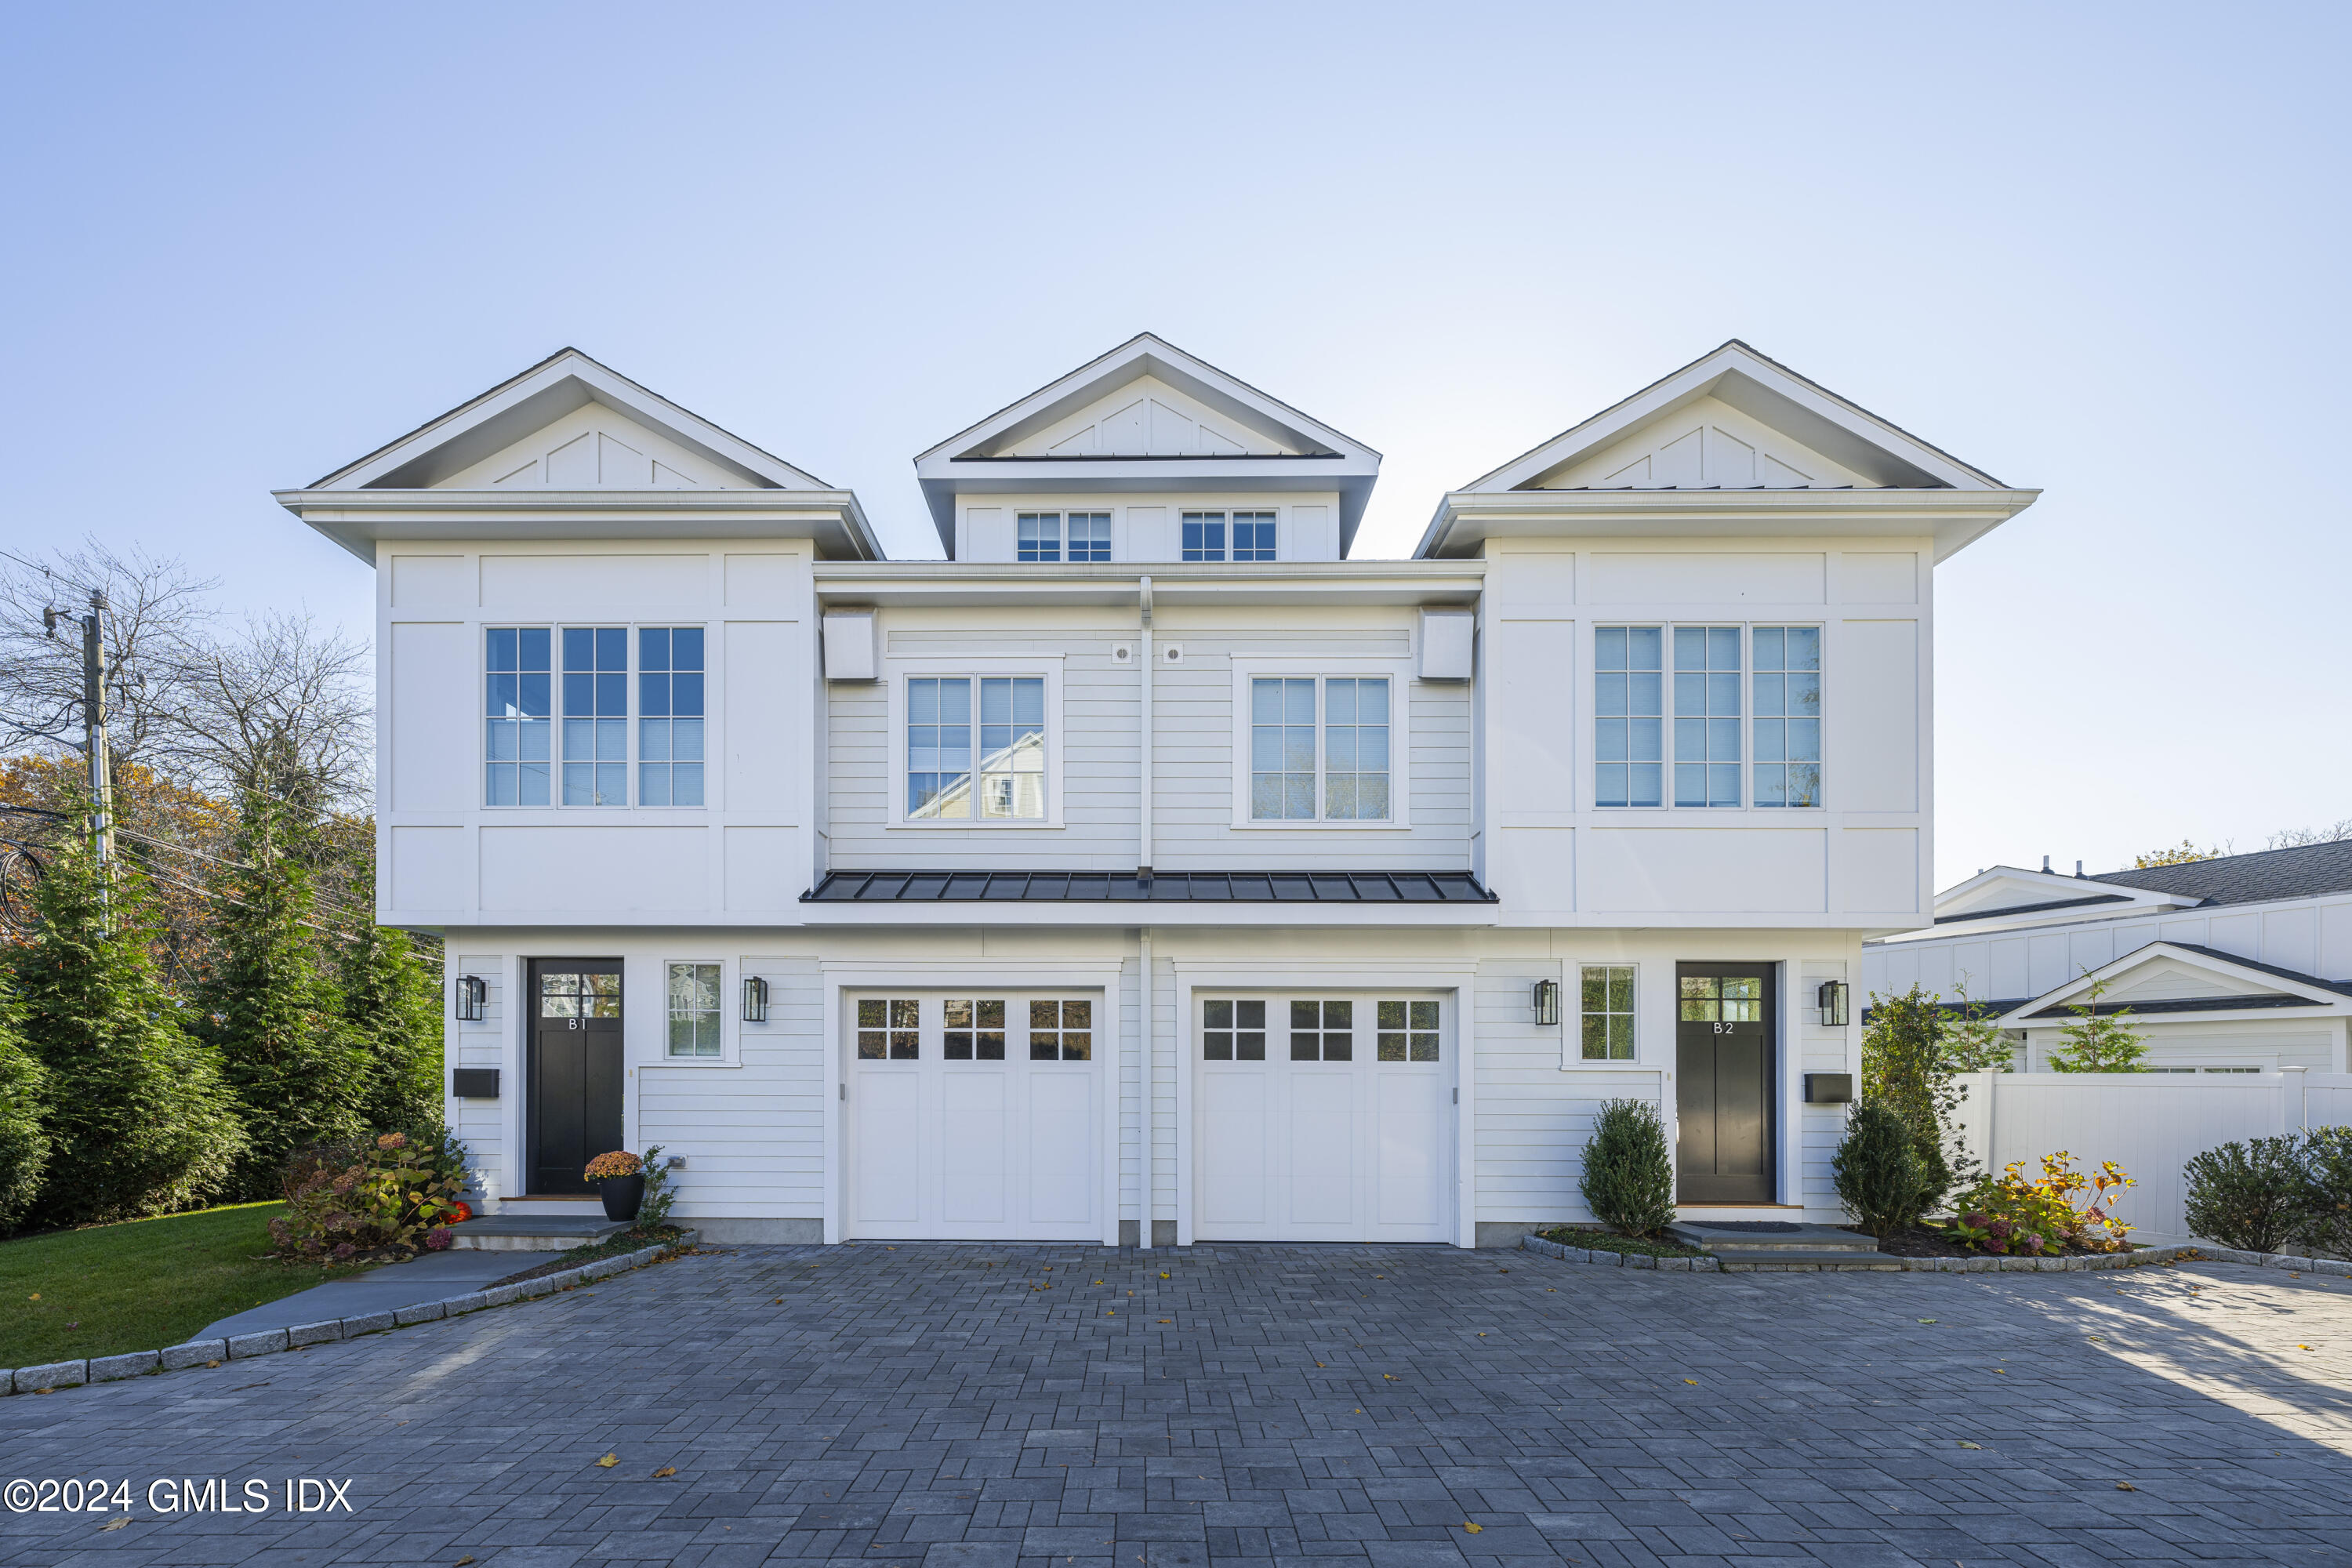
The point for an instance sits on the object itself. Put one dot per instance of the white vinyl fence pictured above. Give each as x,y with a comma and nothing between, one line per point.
2148,1124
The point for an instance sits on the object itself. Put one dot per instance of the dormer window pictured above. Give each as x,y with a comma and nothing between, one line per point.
1040,535
1252,536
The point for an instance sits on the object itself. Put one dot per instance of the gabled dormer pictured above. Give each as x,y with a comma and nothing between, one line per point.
572,450
1731,443
1148,454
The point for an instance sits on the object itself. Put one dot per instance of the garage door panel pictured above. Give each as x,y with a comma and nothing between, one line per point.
1322,1125
975,1147
1236,1172
887,1183
1409,1135
1061,1147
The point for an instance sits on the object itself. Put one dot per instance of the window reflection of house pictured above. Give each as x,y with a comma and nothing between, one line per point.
1011,787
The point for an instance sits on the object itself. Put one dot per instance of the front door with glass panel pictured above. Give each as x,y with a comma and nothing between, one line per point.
974,1115
1724,1065
574,1070
1323,1118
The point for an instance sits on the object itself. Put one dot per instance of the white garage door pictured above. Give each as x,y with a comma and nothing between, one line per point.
974,1117
1323,1119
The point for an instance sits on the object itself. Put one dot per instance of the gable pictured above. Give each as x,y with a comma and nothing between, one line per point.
2169,979
1704,444
1145,418
596,448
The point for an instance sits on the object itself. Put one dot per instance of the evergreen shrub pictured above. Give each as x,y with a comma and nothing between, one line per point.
1629,1181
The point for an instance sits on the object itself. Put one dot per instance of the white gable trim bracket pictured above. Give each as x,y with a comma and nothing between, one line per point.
1291,450
2318,997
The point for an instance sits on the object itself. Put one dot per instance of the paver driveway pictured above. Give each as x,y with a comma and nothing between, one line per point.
935,1405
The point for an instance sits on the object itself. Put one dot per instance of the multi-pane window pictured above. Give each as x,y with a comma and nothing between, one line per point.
1787,683
569,995
1408,1031
1090,536
1722,999
1061,1031
669,716
1204,536
516,741
1254,536
1608,1012
890,1029
1629,696
1706,715
1009,780
1040,535
1233,1031
1322,1031
1351,760
974,1029
595,716
694,1009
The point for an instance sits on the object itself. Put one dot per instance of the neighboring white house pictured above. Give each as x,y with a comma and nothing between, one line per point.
1149,860
2235,964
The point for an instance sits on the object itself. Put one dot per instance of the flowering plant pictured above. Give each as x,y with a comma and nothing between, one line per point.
619,1162
371,1196
2062,1209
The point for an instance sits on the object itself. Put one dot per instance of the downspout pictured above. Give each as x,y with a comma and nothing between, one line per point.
1143,870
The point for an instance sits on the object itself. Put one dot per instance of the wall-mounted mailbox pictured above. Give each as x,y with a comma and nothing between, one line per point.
473,1083
1829,1087
851,650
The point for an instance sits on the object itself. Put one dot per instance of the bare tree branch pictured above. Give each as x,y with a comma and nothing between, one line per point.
155,612
281,707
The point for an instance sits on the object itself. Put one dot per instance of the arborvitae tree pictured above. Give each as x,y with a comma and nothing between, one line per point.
1879,1175
269,1007
1904,1067
24,1146
393,1005
137,1117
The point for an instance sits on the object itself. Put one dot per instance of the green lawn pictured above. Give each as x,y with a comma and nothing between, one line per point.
139,1286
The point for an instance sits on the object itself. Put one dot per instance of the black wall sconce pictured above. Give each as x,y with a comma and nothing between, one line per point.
1831,999
1545,999
473,999
755,999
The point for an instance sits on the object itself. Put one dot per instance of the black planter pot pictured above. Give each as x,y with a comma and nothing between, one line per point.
621,1195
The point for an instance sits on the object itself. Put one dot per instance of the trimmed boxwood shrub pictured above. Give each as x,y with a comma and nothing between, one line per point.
1880,1177
1629,1181
2248,1195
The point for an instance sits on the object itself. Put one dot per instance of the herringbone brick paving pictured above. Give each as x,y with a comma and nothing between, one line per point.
999,1407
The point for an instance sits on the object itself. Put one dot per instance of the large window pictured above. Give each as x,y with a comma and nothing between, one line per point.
1788,723
694,1010
976,747
1745,722
595,716
669,716
1607,1009
1319,749
517,742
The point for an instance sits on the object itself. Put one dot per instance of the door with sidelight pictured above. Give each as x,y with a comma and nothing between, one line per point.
1726,1062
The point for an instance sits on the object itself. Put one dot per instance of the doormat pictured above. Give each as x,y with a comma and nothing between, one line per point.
1777,1227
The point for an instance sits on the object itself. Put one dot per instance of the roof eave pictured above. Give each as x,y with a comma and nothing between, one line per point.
1953,518
358,519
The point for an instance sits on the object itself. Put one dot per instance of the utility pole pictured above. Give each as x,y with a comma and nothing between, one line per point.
93,708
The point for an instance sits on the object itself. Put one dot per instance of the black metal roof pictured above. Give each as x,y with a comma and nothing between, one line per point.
2179,1004
1164,887
2298,873
2033,909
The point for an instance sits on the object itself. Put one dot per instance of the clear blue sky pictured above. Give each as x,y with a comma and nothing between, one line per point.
2094,250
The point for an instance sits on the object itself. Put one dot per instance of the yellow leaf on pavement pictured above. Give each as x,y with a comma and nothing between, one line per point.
665,1473
114,1524
608,1461
1472,1529
1965,1444
2126,1486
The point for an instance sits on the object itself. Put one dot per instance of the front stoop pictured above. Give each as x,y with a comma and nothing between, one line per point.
1782,1246
512,1232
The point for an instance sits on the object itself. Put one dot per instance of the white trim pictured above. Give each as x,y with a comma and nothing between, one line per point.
897,669
1572,1017
1247,666
712,773
730,1018
1666,625
2321,1002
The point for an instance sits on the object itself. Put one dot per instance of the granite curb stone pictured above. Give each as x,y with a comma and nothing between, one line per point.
2142,1258
132,1363
55,1374
241,1347
1608,1259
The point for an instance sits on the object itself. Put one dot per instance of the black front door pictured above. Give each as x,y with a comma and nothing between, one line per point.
575,1069
1724,1068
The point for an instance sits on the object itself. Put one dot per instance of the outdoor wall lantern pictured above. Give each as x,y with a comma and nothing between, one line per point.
1546,1000
473,999
1831,1000
755,999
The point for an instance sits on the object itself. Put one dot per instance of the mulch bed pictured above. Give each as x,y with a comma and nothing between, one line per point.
1920,1242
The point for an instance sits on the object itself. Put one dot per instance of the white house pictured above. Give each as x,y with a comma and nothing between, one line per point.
1150,858
2236,964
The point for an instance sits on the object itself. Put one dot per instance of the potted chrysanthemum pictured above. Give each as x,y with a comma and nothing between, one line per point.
620,1178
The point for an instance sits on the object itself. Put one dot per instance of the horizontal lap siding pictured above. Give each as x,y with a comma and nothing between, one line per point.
753,1135
1533,1117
